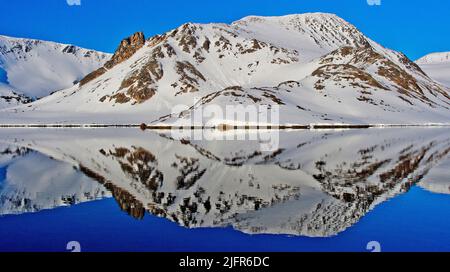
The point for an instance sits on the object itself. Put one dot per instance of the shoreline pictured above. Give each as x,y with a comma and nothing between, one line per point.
224,127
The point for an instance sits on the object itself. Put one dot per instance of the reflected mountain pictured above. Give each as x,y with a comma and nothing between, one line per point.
438,178
316,183
33,182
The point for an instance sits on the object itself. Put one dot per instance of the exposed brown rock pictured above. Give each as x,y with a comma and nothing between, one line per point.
140,85
408,164
187,40
93,75
120,98
223,44
289,84
198,56
279,61
401,75
206,44
126,201
346,73
126,49
189,77
273,97
169,50
190,172
157,39
410,64
255,46
103,98
357,56
140,165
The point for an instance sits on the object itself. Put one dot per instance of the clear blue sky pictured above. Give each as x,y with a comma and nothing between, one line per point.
415,27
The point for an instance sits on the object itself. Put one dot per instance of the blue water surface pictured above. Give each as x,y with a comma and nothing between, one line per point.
2,175
416,221
3,77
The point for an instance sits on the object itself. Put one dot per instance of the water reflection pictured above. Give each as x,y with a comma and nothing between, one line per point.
33,181
317,183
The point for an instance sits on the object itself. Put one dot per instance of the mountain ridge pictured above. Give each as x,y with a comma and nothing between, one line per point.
436,57
48,66
194,61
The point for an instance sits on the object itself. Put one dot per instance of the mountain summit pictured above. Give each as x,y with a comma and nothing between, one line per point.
316,67
437,65
126,49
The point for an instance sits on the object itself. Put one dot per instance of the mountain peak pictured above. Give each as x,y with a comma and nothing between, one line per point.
126,49
304,19
322,30
437,66
439,57
288,17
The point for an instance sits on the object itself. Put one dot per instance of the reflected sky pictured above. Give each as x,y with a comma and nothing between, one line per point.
3,77
417,221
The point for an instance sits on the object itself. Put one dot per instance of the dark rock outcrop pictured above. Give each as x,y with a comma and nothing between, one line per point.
126,49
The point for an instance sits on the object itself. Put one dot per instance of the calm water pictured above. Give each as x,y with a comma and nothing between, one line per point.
127,190
3,77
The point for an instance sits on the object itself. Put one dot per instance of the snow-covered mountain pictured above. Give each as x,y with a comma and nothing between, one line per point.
317,183
437,66
37,68
434,58
316,67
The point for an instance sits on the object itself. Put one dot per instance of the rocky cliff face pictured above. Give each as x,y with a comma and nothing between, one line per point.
126,49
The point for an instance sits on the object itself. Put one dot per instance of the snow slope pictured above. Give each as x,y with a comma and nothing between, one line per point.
316,67
437,180
437,66
37,68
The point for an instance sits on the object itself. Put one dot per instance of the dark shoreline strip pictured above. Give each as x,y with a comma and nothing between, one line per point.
67,126
221,127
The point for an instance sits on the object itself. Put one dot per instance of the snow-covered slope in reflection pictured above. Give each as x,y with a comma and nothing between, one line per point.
316,183
10,152
438,178
35,182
